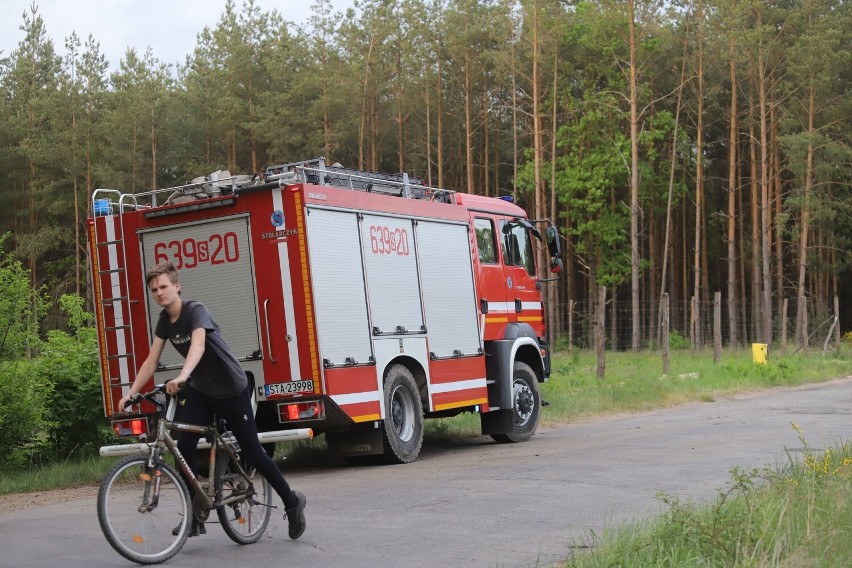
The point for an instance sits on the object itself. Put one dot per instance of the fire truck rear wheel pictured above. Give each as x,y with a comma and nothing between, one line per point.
402,428
526,405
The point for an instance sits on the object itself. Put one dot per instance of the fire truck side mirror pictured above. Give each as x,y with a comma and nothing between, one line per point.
554,246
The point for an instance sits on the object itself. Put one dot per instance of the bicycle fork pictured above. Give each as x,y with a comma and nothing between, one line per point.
151,496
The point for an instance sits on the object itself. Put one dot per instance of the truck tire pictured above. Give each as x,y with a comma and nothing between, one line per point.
526,405
402,428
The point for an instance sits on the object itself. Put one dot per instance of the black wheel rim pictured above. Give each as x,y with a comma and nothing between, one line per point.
402,413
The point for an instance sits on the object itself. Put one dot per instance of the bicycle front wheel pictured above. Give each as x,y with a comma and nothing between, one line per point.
142,523
243,521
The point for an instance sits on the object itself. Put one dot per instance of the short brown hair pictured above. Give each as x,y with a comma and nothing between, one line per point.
166,268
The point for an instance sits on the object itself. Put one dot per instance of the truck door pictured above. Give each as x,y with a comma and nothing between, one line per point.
494,303
520,275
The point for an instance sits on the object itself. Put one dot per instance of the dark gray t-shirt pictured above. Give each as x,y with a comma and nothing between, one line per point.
218,374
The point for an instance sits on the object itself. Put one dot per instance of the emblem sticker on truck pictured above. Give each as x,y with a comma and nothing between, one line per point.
281,389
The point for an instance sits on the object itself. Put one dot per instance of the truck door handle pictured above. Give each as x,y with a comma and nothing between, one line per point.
266,326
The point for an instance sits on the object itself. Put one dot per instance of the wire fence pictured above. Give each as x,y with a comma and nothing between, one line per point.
573,324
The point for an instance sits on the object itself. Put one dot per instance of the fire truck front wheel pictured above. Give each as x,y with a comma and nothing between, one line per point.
526,405
402,428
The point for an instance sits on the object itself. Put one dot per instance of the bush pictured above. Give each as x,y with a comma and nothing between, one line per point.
50,393
24,397
677,341
69,361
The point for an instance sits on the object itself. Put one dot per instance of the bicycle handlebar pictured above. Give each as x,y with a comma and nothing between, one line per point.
149,396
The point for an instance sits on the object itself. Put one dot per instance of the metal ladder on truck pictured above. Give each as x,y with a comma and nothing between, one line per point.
112,296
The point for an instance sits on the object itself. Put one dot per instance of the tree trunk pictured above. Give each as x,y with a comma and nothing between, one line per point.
439,135
468,120
428,145
571,304
742,305
400,140
717,327
362,125
154,146
634,184
514,127
600,333
75,162
664,310
732,198
552,289
486,163
252,135
757,319
667,238
765,223
374,132
777,201
326,117
699,186
538,143
804,229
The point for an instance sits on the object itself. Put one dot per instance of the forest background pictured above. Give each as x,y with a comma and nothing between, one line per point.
684,148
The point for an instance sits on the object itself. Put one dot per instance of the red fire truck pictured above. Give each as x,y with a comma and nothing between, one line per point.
358,303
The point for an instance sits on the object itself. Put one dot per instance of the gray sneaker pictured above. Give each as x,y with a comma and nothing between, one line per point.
296,516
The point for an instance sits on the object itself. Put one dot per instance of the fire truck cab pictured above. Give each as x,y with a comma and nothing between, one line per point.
358,303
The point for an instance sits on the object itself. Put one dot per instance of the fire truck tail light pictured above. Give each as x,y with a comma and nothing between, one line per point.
292,412
130,427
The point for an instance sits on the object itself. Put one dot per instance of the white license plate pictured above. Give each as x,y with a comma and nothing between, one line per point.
281,389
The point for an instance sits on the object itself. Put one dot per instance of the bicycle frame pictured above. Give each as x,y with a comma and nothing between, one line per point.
164,441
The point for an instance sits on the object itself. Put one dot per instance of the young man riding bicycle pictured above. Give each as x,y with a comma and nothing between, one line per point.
212,382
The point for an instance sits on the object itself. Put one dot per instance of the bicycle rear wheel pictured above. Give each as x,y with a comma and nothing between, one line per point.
244,521
137,523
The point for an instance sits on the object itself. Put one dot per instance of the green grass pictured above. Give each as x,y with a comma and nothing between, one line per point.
56,476
796,515
633,382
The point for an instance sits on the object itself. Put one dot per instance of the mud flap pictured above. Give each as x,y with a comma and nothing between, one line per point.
497,422
498,369
359,440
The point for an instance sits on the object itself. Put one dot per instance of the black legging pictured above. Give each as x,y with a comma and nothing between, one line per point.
200,408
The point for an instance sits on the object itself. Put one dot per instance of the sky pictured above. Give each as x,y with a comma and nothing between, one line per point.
168,26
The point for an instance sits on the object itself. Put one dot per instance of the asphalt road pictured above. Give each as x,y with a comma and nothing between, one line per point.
478,503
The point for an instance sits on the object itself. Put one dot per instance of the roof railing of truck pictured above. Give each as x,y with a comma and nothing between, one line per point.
222,183
316,172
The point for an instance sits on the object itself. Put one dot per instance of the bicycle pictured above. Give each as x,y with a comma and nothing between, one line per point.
144,506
